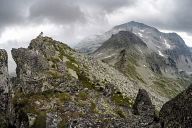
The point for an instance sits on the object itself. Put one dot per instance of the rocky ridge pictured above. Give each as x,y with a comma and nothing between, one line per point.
57,87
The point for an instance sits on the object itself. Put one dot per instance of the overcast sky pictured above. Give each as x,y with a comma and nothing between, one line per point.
72,20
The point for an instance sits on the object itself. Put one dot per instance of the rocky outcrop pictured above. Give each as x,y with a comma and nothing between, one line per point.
39,65
3,88
143,104
145,109
177,113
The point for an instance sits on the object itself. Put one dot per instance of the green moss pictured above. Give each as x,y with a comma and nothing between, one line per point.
85,80
118,99
62,49
63,124
120,113
93,107
55,74
54,59
64,97
40,121
71,65
160,84
20,99
83,96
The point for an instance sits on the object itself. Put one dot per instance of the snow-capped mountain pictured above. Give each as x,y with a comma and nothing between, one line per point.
168,45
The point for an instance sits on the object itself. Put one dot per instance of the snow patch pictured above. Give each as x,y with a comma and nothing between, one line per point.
99,54
166,44
141,30
141,35
160,53
109,56
140,50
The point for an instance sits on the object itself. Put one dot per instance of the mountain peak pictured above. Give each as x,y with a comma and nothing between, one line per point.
134,24
123,39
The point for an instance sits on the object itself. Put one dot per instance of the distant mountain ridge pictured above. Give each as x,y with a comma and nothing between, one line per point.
165,44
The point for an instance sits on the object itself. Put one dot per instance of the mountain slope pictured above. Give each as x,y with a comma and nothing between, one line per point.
168,45
130,55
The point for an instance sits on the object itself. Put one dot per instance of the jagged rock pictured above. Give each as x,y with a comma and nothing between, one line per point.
177,113
29,63
3,88
40,66
144,108
143,104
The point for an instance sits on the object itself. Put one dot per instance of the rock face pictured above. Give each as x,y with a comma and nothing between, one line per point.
144,107
143,104
3,88
42,66
177,113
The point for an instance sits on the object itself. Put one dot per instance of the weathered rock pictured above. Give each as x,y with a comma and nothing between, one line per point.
177,113
40,66
3,88
144,108
143,104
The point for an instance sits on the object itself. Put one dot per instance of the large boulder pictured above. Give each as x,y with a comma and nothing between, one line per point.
177,113
143,104
145,110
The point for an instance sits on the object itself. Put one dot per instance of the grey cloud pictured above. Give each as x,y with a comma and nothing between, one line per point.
12,12
16,12
182,19
176,18
56,11
108,5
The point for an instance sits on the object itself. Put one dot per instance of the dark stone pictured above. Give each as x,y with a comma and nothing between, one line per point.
143,103
177,113
144,108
